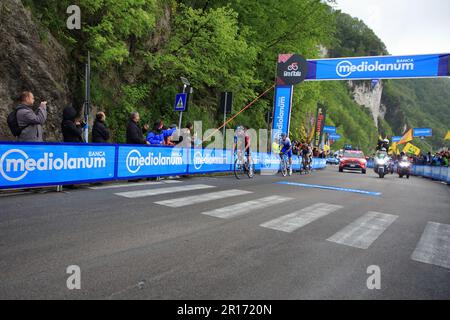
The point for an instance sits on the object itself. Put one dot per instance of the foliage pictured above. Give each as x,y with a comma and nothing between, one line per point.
140,48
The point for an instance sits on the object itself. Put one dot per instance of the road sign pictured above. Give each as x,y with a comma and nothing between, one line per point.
180,102
329,129
422,132
334,136
396,138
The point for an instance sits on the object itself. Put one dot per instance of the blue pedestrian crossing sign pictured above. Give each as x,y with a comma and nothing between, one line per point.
180,102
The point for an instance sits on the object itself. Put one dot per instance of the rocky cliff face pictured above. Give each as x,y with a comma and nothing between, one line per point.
30,59
369,97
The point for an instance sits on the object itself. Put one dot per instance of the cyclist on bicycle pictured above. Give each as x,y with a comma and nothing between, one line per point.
286,149
242,141
306,155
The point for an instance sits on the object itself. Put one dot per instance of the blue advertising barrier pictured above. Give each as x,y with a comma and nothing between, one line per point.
29,164
141,161
48,164
210,160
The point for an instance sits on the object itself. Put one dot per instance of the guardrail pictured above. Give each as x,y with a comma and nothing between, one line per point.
49,164
432,172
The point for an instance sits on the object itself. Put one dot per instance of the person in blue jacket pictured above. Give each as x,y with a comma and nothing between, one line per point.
158,135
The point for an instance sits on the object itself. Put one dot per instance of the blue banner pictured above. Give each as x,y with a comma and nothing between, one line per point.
381,67
396,138
51,164
422,132
282,111
334,137
329,129
210,160
136,161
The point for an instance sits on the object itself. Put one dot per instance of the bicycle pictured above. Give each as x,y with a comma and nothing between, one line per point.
284,163
306,165
242,166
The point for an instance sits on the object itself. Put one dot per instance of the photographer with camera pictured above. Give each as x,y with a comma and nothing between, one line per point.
72,130
26,122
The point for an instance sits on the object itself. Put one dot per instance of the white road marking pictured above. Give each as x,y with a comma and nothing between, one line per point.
362,232
158,191
298,219
434,245
186,201
131,184
246,207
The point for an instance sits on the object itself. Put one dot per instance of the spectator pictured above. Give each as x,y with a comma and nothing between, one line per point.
159,135
30,121
135,134
444,160
100,133
72,130
186,139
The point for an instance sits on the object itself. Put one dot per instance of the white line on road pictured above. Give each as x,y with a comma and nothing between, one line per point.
154,192
434,245
298,219
131,184
362,232
186,201
246,207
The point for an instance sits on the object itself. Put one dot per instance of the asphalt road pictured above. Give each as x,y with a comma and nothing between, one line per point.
290,242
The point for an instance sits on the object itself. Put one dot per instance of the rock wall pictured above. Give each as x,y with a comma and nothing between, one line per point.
370,97
30,59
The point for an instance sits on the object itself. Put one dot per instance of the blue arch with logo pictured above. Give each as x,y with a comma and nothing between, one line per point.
356,68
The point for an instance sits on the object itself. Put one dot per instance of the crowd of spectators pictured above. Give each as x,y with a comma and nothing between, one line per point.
438,159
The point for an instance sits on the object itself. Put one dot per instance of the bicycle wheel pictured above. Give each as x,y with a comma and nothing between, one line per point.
239,169
284,169
251,170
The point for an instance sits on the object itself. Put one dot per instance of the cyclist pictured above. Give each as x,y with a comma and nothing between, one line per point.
306,156
286,149
240,136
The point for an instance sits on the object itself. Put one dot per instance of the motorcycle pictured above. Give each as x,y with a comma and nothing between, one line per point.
404,168
381,165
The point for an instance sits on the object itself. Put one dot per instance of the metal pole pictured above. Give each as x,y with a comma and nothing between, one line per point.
181,112
179,121
427,144
225,112
87,105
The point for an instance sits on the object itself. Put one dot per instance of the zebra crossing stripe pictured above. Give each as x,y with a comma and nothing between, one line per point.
139,184
246,207
155,192
434,245
362,232
301,218
200,198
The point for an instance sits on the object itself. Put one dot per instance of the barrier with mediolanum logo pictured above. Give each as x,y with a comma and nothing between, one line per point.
381,67
32,164
210,160
48,164
138,161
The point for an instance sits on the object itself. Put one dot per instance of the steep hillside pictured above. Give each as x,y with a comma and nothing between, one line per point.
419,103
30,59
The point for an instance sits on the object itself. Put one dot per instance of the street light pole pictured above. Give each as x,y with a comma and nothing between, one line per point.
427,144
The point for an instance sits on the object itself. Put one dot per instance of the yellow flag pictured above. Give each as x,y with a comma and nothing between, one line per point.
393,149
311,135
408,136
447,136
411,149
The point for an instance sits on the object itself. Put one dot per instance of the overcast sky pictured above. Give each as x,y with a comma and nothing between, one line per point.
405,26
